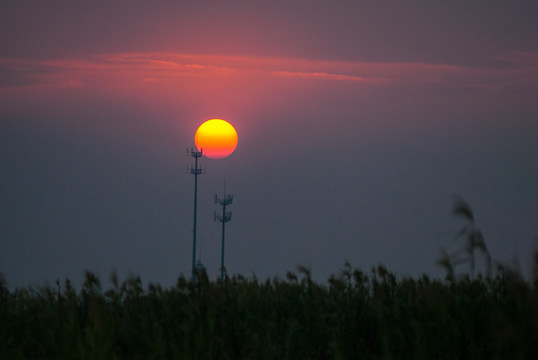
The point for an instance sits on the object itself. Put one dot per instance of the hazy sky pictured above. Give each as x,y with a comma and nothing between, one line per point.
358,121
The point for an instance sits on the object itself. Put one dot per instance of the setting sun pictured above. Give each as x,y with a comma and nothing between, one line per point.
216,138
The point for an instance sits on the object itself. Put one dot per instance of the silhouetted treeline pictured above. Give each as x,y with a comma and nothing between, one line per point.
356,315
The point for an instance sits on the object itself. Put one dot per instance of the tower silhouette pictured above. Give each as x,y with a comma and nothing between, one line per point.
224,218
195,171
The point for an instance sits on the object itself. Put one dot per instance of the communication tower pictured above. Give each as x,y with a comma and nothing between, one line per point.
224,218
196,170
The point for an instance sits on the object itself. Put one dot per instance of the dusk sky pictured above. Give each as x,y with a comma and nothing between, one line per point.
358,123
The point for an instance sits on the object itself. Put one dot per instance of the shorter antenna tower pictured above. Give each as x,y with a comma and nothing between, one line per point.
196,170
224,218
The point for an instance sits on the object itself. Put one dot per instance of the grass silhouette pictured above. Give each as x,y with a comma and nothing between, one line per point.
356,315
470,239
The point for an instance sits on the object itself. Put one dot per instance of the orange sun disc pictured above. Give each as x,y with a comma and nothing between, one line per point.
216,138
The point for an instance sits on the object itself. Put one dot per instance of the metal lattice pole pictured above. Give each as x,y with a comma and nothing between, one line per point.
195,171
224,218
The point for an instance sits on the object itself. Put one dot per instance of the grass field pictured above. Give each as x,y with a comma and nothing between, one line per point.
357,315
470,314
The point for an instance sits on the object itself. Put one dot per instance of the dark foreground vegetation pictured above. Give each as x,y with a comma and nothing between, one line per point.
356,315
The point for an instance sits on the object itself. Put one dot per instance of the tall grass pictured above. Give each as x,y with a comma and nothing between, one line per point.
356,315
470,239
367,315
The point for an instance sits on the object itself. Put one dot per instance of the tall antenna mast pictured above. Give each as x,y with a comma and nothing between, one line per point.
224,218
195,171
